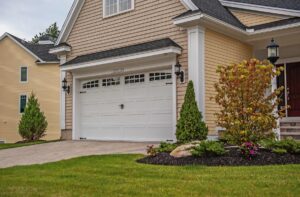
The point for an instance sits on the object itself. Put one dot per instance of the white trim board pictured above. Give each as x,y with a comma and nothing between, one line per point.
112,60
261,8
196,71
70,21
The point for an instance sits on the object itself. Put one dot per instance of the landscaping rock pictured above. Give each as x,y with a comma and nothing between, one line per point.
183,150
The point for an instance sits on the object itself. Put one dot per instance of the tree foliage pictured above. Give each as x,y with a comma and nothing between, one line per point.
33,123
247,104
52,32
190,125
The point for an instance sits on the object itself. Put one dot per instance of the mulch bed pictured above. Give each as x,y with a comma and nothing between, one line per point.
232,158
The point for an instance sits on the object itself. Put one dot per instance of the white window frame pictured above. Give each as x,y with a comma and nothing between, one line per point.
118,9
26,74
20,102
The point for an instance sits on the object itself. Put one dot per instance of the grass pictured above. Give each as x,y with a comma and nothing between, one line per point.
120,175
7,146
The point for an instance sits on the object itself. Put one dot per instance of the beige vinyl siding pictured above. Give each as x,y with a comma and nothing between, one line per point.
150,20
43,80
256,18
219,50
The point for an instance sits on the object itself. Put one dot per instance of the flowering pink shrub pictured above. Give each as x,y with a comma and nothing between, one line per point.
249,150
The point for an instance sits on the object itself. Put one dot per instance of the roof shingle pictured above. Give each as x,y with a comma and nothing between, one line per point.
143,47
40,50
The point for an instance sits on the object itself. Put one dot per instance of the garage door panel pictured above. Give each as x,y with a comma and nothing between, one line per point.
146,116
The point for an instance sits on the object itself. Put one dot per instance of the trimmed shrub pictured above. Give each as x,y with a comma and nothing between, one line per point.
33,123
289,145
246,111
209,148
190,125
166,147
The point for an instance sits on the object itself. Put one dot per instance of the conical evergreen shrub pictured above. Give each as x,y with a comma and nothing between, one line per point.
190,126
33,123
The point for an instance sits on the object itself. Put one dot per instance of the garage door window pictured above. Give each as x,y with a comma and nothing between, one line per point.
91,84
135,79
159,76
111,82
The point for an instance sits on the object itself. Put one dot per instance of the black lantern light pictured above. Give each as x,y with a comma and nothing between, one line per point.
273,51
65,86
178,72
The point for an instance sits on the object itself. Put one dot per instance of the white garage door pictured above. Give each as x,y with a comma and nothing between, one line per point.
135,107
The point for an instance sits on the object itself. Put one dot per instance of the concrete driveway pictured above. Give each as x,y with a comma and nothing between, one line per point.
56,151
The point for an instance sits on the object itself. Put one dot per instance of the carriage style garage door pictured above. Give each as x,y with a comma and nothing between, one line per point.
134,107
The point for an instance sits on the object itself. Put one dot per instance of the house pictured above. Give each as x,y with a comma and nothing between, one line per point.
119,59
26,68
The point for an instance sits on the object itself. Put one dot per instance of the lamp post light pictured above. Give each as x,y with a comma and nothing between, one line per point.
178,72
273,51
66,88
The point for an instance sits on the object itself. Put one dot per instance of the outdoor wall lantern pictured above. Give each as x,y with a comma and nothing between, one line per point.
65,86
178,72
273,51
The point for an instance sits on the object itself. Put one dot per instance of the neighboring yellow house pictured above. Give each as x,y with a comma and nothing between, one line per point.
26,68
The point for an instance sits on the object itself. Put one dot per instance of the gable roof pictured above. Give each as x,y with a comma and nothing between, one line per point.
128,50
39,51
285,4
215,9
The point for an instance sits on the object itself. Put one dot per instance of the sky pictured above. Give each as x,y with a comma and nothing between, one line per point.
26,18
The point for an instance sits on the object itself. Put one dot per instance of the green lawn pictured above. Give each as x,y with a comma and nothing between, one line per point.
7,146
120,175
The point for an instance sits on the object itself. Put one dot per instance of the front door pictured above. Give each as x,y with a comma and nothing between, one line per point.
293,89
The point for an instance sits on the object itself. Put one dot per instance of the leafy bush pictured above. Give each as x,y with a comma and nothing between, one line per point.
209,148
190,126
290,145
249,150
151,151
246,112
166,147
33,123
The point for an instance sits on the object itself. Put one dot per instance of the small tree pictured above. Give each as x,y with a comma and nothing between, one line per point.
33,123
52,32
190,126
247,110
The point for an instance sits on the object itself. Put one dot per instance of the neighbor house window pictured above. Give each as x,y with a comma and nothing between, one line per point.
112,7
23,101
24,74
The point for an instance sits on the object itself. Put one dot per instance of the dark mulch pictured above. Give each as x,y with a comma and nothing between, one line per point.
232,158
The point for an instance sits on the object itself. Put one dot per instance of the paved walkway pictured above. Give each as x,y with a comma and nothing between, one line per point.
56,151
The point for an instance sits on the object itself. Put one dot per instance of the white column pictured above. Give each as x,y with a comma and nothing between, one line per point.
62,96
274,87
196,41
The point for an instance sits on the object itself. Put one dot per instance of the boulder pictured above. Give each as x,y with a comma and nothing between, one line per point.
183,150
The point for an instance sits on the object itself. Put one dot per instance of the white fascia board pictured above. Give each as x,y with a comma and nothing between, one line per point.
168,50
70,20
260,8
189,4
23,47
187,19
60,49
